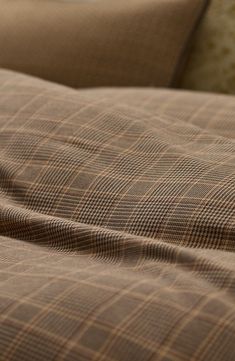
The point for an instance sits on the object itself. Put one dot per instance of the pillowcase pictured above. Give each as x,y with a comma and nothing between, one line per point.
98,43
211,65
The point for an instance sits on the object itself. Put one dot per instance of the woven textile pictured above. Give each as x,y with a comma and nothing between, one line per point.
98,43
117,223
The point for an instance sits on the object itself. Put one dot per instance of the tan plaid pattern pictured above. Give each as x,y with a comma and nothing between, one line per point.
99,43
117,224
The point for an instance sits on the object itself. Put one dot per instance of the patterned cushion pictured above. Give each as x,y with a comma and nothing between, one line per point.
98,43
212,62
117,231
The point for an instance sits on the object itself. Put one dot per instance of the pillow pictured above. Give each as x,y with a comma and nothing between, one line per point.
98,43
212,63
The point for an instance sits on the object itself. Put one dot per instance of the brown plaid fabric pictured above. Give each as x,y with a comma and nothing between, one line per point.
98,43
117,224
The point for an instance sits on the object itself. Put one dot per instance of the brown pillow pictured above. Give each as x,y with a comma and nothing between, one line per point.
101,43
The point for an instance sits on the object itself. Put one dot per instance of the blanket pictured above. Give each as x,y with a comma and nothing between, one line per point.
117,232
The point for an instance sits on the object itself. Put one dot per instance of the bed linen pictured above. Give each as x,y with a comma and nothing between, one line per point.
117,223
99,43
213,51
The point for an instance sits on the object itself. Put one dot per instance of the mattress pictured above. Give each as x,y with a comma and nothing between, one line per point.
117,223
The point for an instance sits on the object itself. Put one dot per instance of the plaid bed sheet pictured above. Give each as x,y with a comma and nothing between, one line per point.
117,223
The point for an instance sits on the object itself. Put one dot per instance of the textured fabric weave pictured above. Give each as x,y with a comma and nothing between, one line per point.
117,224
98,43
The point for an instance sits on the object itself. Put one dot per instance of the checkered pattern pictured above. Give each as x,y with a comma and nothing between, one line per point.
117,223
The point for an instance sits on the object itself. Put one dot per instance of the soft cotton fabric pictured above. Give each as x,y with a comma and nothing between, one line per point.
99,43
116,222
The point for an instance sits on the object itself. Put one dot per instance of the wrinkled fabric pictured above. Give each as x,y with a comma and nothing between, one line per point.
116,222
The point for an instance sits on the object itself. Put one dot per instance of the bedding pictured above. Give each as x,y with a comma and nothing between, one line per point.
99,43
213,51
117,223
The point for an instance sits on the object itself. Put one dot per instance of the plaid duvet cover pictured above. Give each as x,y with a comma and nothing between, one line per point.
117,223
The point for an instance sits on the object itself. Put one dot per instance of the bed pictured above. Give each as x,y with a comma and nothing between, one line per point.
117,210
